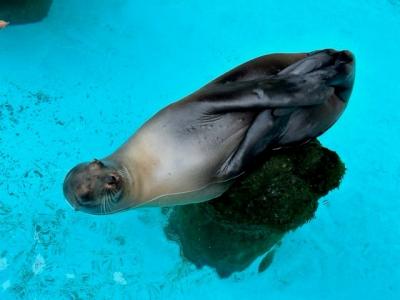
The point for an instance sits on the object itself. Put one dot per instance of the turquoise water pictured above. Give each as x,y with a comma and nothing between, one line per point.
76,85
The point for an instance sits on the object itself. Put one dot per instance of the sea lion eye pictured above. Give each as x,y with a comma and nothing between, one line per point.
111,179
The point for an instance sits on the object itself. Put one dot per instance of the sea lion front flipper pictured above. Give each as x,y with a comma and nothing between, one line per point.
257,138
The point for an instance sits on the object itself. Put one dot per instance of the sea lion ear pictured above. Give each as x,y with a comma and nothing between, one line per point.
97,162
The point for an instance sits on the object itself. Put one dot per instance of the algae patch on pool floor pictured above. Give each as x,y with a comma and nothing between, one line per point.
230,232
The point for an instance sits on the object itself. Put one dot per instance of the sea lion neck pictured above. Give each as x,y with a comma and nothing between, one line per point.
130,169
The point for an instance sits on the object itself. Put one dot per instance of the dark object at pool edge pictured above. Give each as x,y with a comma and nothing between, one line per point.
24,11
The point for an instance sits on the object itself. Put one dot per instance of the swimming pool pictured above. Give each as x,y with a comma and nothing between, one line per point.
81,81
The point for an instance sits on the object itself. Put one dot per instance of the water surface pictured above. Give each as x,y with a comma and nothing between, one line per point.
77,85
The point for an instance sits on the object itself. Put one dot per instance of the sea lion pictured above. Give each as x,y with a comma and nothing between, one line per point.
194,149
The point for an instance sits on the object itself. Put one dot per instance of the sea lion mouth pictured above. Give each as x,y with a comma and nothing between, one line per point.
101,205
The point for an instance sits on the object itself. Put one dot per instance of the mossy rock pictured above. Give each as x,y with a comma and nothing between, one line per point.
24,11
284,192
230,232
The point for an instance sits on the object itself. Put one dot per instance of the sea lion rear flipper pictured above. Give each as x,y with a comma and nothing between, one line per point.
309,81
282,91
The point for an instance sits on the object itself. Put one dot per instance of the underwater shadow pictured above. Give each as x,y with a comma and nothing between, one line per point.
250,219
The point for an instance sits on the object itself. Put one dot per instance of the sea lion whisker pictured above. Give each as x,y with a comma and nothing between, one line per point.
105,208
112,194
108,201
121,172
102,208
104,201
106,196
107,204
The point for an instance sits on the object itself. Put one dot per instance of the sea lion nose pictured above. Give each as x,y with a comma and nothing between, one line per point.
85,194
87,200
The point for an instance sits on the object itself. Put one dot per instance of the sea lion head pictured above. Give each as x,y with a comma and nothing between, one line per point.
97,187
